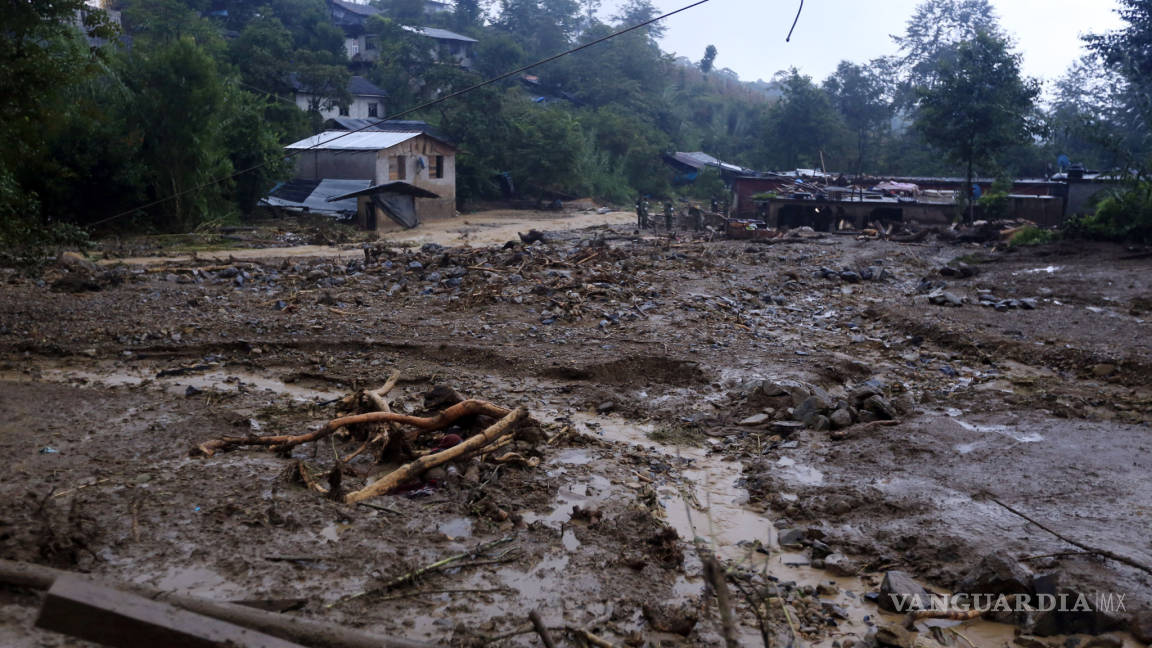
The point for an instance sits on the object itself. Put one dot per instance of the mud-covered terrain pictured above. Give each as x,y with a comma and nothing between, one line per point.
817,411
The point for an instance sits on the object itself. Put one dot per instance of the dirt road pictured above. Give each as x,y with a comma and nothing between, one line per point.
669,376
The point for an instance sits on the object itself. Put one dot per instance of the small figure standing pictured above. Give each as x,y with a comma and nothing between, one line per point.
668,214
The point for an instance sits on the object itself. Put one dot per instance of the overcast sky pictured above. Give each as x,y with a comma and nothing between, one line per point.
750,33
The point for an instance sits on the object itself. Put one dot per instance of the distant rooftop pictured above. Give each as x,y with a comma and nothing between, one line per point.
440,34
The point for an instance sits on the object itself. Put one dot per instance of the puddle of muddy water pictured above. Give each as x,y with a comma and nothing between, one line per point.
708,505
216,380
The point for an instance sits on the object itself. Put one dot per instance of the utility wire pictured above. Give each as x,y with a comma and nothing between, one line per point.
428,104
789,39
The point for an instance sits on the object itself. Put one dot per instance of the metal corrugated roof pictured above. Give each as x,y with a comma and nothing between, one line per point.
440,34
313,195
352,141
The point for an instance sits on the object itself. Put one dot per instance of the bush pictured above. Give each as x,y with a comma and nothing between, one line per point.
1033,236
1125,216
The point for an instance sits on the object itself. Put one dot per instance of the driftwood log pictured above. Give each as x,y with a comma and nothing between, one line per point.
284,441
408,471
300,630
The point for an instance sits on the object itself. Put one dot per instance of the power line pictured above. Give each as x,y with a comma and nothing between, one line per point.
428,104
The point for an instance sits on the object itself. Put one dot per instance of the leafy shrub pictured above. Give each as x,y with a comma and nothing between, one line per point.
1123,216
1033,236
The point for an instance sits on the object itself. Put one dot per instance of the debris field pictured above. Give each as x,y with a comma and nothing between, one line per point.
589,437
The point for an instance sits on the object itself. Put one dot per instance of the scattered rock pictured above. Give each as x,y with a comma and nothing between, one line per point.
841,418
756,420
1103,370
895,635
945,298
812,407
900,593
997,574
680,620
841,565
605,407
790,537
786,428
880,406
1105,641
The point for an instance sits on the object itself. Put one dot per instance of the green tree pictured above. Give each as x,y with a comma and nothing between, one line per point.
1128,52
932,34
803,128
709,59
980,106
41,52
860,95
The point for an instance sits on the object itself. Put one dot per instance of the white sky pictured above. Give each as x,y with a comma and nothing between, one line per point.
749,34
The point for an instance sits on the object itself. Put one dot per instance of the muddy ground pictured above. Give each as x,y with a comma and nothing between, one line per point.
667,373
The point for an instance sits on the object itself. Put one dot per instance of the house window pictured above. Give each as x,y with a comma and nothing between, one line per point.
369,44
438,170
372,110
355,46
398,172
343,110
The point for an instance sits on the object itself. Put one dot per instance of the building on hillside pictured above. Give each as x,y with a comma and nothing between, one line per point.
367,99
448,47
351,18
411,157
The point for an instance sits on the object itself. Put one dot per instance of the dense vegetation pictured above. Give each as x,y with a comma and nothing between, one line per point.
143,134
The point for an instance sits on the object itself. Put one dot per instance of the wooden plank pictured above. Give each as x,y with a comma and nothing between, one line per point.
83,609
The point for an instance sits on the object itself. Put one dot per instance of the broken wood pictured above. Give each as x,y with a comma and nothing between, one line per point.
427,569
83,609
284,441
299,630
1094,550
952,615
416,468
591,639
541,629
715,575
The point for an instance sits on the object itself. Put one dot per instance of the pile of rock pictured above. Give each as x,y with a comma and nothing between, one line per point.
813,407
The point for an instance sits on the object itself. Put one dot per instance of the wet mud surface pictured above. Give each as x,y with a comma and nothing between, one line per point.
665,375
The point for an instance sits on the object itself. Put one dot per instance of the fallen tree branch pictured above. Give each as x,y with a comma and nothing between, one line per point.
300,630
1094,550
541,629
416,573
282,441
408,471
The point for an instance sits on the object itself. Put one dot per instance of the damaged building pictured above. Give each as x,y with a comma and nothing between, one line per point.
397,177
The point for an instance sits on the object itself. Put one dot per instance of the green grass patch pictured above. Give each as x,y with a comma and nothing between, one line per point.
1033,236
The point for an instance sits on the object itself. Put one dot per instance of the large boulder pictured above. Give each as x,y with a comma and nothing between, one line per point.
900,593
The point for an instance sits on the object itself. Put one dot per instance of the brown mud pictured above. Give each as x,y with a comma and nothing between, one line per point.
651,353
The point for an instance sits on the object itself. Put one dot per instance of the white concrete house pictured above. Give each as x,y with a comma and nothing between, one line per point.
367,100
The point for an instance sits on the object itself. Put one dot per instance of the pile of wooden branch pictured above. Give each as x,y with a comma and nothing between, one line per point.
388,433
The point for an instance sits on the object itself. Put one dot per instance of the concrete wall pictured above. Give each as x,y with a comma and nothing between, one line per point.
360,108
1081,193
419,155
825,215
318,164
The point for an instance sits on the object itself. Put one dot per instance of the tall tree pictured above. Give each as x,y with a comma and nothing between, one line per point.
979,106
803,128
1128,52
709,59
932,34
860,95
42,50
